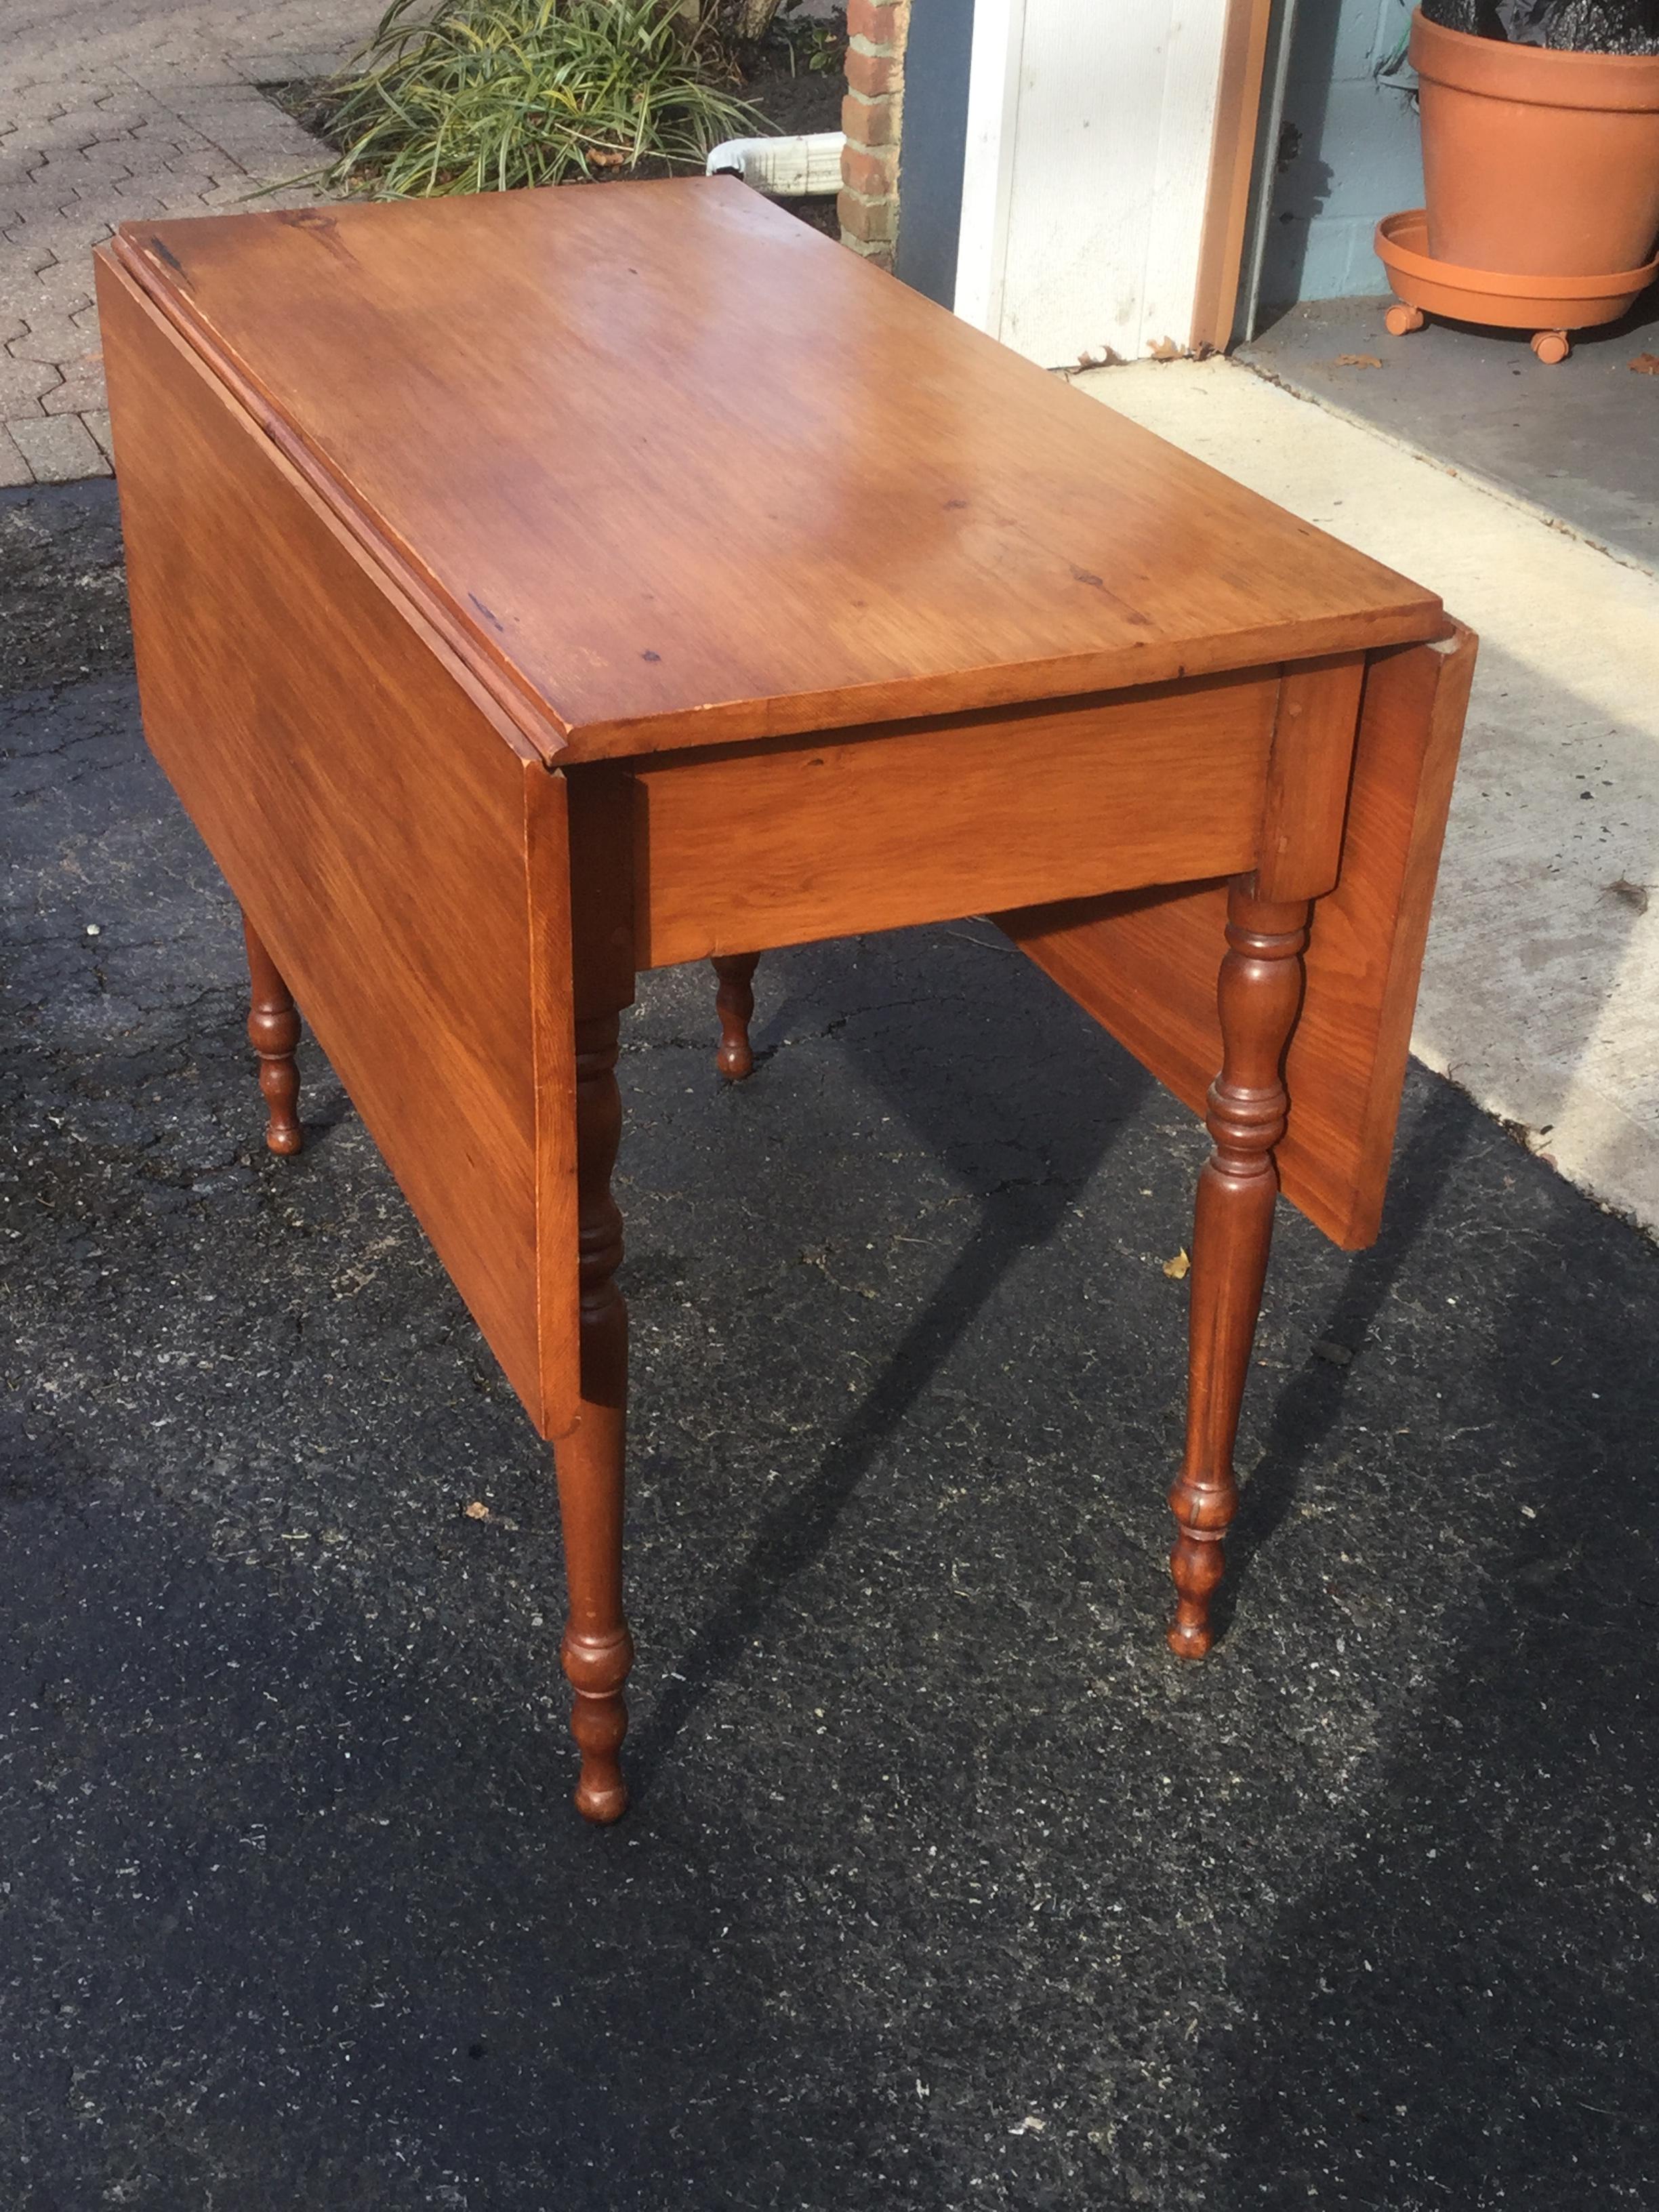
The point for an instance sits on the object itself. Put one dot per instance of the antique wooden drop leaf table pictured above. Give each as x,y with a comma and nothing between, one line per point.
533,589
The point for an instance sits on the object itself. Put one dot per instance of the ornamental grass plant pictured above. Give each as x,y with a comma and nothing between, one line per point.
485,95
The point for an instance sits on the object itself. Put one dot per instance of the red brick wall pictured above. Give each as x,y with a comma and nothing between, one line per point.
871,116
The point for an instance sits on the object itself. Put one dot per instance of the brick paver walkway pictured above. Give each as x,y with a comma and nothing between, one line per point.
112,109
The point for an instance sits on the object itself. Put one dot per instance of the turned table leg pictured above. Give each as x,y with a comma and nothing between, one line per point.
735,1002
598,1649
1259,995
273,1031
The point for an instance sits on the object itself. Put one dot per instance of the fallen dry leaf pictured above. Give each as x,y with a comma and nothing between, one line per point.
1358,360
477,1510
1165,350
1646,364
1175,1269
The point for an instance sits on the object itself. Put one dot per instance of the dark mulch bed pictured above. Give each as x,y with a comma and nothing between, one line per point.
775,76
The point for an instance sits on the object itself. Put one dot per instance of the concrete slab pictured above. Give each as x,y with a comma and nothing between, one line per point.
1540,993
1580,441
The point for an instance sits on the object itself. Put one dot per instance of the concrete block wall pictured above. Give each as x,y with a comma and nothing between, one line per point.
1349,153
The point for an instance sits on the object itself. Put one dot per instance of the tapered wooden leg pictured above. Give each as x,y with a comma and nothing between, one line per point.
273,1031
1260,996
735,1002
598,1649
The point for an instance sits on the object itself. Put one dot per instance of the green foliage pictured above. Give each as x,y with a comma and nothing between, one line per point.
488,94
812,44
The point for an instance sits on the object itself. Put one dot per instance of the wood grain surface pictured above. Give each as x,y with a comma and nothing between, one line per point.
752,847
667,468
1145,965
1309,773
375,817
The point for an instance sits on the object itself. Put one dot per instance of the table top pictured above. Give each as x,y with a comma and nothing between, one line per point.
676,470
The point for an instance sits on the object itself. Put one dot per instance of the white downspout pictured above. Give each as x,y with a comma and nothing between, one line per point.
783,168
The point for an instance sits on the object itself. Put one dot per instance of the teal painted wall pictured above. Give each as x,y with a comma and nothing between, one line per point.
1348,152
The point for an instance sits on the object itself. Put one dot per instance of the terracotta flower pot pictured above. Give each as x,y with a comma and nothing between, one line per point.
1537,163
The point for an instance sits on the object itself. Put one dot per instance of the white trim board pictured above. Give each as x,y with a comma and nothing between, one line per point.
1089,128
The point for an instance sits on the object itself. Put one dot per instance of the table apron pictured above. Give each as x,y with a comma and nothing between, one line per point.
741,848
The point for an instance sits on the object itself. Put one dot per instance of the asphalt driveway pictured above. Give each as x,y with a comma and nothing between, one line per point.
944,1886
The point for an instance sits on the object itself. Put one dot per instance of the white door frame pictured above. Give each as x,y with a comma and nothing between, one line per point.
987,167
1092,126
